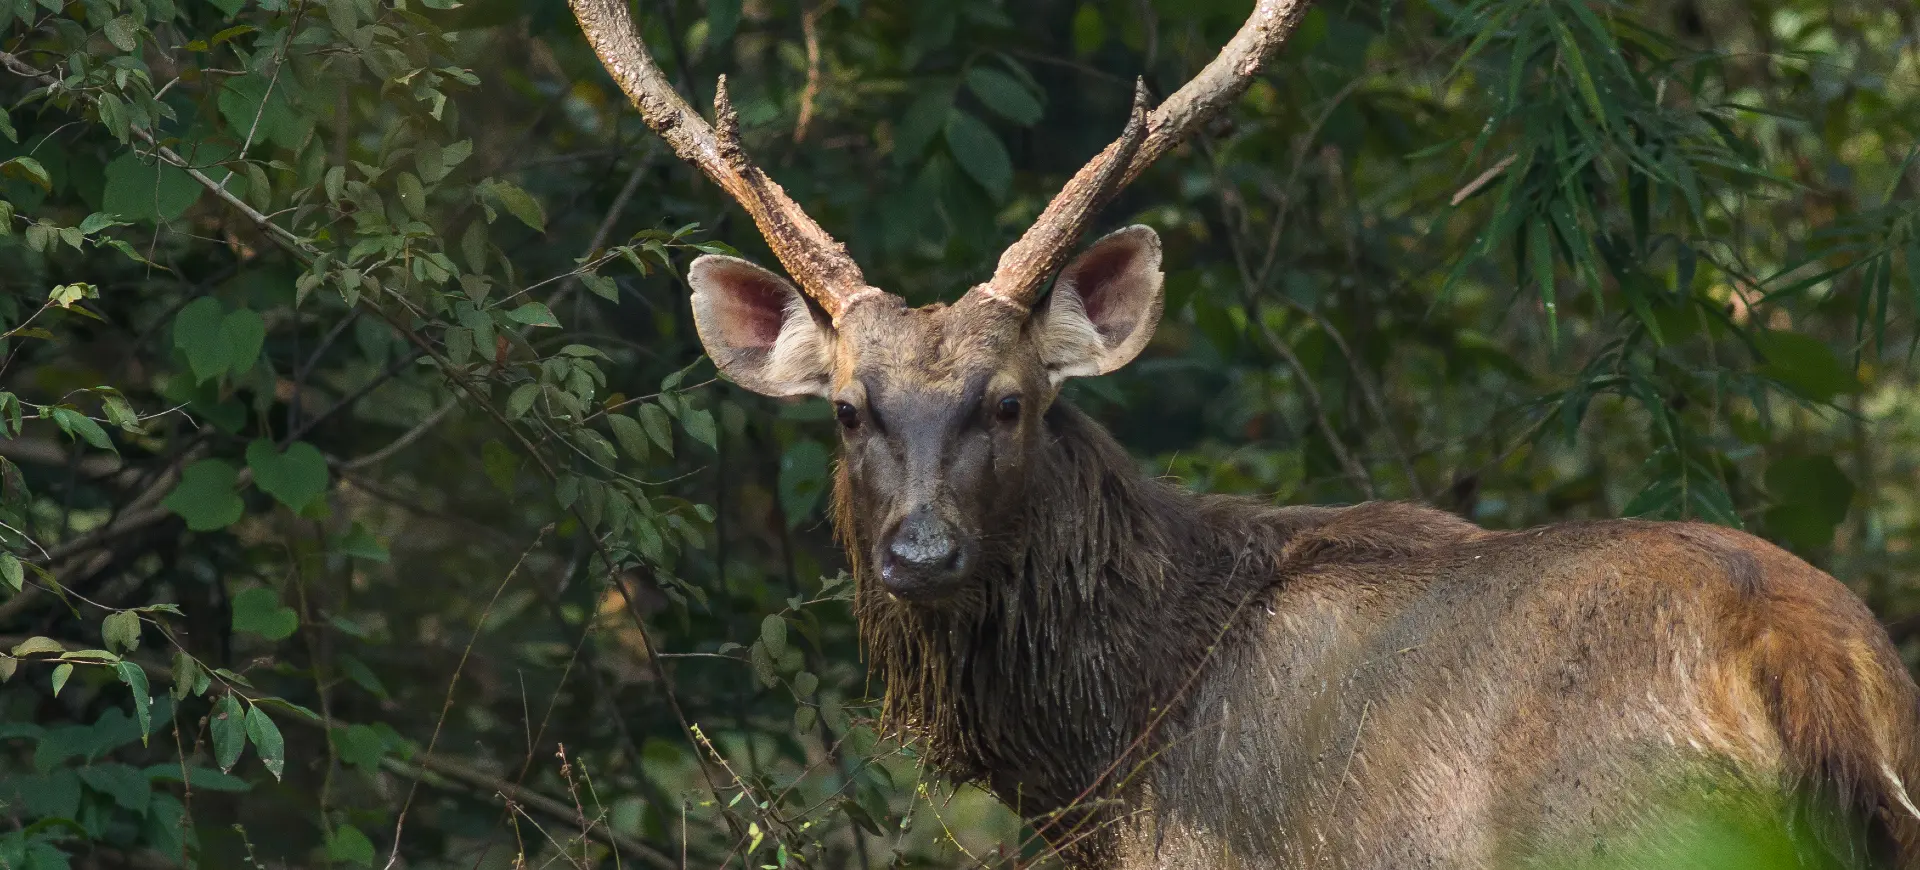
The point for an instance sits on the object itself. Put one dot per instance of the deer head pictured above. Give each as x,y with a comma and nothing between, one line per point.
940,407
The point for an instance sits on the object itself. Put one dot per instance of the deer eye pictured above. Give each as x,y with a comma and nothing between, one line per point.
849,417
1008,409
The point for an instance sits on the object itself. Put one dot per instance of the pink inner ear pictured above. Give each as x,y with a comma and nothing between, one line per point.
1093,280
753,310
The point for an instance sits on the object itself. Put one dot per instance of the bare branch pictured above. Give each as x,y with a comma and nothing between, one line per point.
400,443
810,30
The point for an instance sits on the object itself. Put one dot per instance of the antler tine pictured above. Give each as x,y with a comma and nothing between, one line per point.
1025,266
813,258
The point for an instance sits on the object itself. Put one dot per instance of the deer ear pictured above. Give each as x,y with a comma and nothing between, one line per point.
1104,306
759,330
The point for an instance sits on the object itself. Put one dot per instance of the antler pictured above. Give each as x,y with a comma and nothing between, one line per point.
811,257
1026,265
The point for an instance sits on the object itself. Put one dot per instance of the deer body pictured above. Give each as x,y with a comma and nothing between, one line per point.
1243,685
1158,679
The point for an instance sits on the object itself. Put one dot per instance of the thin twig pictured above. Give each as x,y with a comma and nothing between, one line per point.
446,706
401,443
810,32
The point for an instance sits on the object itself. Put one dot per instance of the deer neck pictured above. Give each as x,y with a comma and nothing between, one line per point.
1064,664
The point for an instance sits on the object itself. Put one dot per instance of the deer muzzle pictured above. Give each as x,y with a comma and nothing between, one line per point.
924,558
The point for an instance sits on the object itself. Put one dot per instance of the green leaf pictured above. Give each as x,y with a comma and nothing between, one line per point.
242,332
763,665
412,195
119,412
360,746
803,479
152,192
197,334
136,680
288,706
67,295
36,646
979,152
773,633
230,7
361,544
1540,255
205,496
459,341
597,446
1576,61
534,314
99,221
699,426
123,33
1004,94
121,631
348,846
264,107
363,676
501,463
1812,496
229,727
12,573
295,477
521,400
27,169
658,425
805,683
187,675
601,286
1804,364
517,202
259,188
633,440
923,121
127,786
60,674
266,739
258,611
1089,30
82,427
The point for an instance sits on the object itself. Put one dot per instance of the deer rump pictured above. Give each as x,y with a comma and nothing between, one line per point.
1155,678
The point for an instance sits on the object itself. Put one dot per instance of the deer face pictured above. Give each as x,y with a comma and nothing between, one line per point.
941,409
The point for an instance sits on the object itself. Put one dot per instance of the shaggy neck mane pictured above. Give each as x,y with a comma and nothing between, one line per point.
1095,606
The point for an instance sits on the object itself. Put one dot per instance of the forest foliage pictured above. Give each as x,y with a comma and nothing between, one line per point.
365,495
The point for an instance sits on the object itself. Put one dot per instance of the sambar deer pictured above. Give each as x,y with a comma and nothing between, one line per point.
1157,678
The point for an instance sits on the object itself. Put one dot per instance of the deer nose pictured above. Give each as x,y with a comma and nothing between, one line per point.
923,558
923,540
